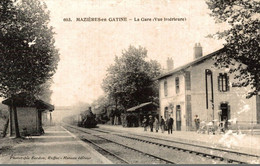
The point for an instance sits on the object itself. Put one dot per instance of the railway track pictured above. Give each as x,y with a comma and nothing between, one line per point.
120,153
229,156
211,152
154,150
102,150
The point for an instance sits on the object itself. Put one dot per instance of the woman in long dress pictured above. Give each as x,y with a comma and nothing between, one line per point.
156,124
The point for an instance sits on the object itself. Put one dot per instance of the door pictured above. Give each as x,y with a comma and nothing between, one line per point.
225,114
178,118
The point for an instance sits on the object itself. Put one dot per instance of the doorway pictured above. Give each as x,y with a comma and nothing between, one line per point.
224,112
225,115
178,118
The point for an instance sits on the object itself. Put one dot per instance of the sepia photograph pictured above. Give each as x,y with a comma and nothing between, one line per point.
129,82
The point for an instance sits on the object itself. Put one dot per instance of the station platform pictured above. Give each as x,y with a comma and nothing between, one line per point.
56,146
244,143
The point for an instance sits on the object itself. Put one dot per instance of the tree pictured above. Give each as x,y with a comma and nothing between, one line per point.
28,57
242,38
44,92
100,104
130,80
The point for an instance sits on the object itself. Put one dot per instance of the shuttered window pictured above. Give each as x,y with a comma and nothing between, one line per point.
165,88
187,80
223,82
177,85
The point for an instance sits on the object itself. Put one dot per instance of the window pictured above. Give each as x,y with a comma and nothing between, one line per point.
165,88
223,82
177,85
187,80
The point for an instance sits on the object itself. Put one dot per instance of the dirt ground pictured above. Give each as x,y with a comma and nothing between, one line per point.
7,144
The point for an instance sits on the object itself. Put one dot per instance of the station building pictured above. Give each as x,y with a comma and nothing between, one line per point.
200,88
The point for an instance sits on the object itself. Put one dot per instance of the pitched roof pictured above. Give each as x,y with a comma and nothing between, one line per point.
23,100
195,62
43,105
141,105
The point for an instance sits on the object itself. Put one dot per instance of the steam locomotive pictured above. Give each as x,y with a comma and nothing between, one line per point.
87,119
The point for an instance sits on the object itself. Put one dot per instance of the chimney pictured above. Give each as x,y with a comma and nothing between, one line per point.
169,64
197,51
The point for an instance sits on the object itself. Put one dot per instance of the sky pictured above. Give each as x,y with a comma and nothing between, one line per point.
88,48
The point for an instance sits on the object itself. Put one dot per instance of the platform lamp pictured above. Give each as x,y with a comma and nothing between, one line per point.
208,72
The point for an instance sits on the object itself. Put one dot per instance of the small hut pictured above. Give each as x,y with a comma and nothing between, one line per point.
29,113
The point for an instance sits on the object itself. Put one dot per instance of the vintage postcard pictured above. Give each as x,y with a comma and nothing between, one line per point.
129,82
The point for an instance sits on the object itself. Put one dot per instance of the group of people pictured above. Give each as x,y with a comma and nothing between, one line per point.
154,123
221,126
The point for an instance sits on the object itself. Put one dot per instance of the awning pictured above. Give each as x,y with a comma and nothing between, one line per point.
141,106
41,105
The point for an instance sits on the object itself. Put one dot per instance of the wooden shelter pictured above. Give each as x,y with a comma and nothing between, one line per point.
29,114
135,115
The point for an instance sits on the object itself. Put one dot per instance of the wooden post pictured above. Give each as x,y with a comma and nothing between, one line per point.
16,125
10,121
5,127
50,119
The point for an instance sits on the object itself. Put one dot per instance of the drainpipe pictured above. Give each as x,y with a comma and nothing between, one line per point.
209,72
212,94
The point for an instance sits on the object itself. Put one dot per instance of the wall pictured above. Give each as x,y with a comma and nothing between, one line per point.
27,118
45,119
241,108
173,98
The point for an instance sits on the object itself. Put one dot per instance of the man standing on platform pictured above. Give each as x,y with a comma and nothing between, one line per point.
170,124
151,122
162,124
